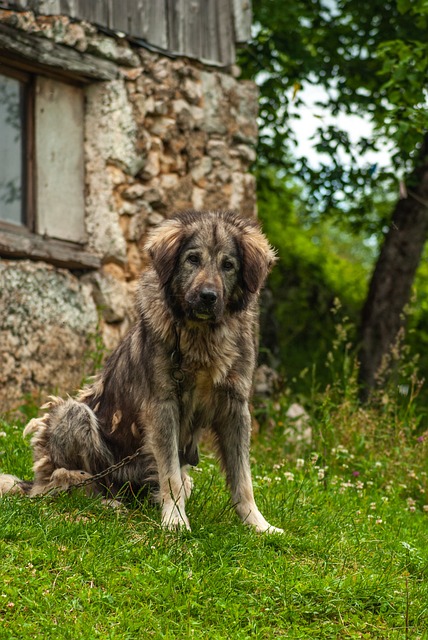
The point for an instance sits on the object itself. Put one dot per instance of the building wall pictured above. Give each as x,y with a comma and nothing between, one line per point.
164,134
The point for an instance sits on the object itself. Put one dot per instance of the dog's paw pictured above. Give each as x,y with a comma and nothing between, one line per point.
252,517
270,529
262,526
187,484
174,518
112,503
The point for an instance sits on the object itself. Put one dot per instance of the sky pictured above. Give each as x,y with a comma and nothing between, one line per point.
312,117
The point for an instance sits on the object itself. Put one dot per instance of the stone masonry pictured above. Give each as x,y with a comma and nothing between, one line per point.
166,134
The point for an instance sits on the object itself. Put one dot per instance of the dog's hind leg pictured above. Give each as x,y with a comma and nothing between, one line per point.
67,447
12,485
63,480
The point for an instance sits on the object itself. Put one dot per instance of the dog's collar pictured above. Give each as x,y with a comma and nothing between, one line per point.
177,373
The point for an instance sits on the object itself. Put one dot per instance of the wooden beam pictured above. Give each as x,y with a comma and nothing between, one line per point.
33,247
49,56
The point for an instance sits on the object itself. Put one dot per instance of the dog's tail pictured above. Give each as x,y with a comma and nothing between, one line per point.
12,485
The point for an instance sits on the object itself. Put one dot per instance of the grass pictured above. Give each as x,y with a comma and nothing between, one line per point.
352,563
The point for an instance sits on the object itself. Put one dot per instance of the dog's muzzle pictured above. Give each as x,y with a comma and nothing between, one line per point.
205,304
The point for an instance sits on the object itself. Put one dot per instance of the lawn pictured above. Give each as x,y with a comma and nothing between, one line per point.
352,563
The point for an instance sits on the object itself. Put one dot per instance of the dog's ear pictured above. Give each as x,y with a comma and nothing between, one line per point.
163,247
258,257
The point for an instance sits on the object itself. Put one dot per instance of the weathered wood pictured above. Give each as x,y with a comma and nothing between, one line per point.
48,6
157,24
118,20
60,161
97,12
51,56
242,19
202,29
185,26
210,49
225,35
22,4
33,247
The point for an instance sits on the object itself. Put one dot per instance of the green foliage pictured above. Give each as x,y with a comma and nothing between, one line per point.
315,267
404,73
318,265
417,320
372,59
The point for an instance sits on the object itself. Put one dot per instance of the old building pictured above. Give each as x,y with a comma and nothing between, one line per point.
112,114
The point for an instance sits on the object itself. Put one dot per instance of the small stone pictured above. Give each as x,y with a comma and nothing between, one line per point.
155,218
110,295
134,191
151,167
192,91
246,153
201,169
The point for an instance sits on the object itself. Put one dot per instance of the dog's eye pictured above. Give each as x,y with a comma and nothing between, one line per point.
193,258
228,265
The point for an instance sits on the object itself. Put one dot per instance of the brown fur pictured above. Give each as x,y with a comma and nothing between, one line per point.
198,315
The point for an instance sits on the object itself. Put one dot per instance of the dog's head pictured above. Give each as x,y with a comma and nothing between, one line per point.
210,263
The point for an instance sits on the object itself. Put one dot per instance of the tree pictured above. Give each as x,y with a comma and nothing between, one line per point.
391,283
372,58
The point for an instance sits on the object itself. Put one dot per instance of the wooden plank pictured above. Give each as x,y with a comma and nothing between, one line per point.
242,20
119,16
49,56
173,18
62,254
185,24
96,11
225,35
157,33
60,160
22,4
47,7
202,29
138,19
210,49
67,8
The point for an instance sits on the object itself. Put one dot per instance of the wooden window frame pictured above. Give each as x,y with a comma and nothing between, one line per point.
22,241
27,149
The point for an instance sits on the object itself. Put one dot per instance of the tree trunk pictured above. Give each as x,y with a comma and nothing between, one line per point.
391,283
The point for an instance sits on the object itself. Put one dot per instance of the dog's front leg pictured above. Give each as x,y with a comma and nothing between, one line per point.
233,430
164,439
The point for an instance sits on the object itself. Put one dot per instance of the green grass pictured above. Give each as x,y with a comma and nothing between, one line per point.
352,563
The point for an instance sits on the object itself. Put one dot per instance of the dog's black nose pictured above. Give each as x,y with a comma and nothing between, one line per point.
208,296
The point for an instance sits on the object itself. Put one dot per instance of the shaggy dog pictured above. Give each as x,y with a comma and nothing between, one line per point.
187,365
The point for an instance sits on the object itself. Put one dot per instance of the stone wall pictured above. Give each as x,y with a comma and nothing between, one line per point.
166,134
48,322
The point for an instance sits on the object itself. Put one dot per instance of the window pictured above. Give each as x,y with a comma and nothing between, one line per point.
14,99
42,167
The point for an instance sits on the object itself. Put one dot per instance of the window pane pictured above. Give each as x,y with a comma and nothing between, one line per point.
10,150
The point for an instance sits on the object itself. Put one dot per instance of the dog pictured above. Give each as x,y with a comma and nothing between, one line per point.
187,365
